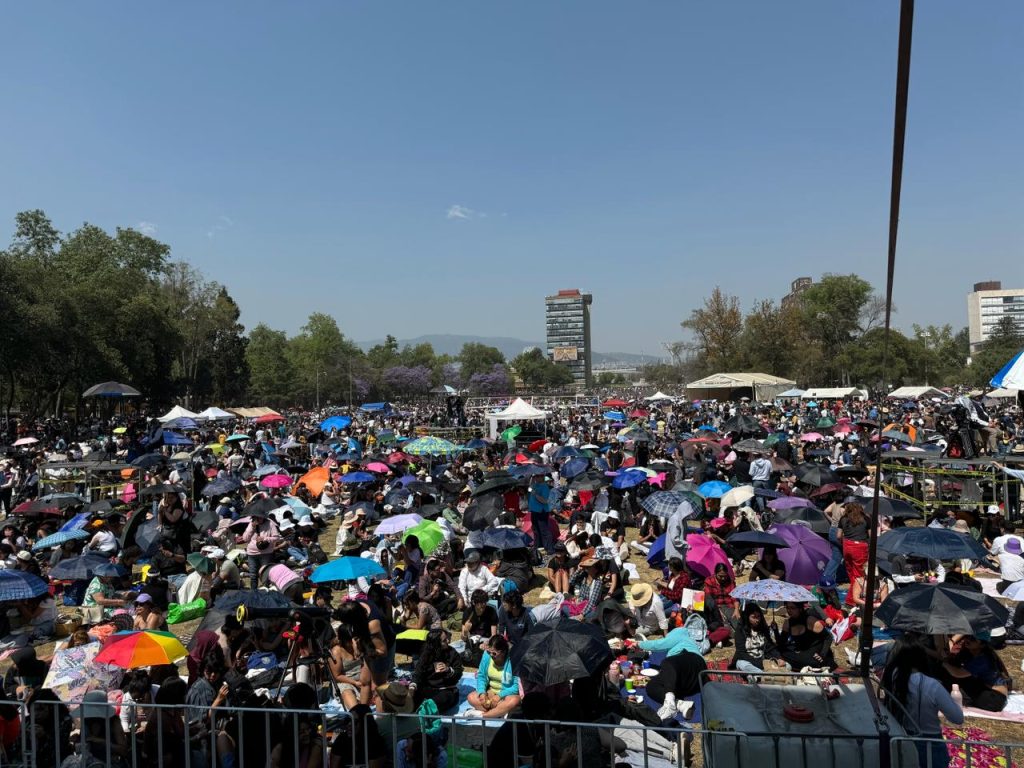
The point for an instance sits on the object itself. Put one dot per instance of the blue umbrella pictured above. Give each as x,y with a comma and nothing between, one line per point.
110,569
812,404
404,480
713,489
358,477
237,438
476,444
504,538
567,452
346,569
266,469
574,467
58,538
628,479
656,554
614,416
767,493
76,568
78,521
20,585
335,422
706,428
528,470
173,438
182,422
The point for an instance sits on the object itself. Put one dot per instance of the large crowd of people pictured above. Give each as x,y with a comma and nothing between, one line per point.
468,547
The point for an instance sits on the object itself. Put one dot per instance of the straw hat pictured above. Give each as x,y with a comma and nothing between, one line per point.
640,595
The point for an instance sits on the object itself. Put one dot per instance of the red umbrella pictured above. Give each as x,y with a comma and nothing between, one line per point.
829,488
536,445
396,457
268,418
637,413
614,403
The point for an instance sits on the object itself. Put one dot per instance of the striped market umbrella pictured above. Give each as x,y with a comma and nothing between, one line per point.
20,585
58,538
430,446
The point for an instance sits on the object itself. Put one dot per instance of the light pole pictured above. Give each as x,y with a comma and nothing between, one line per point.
319,373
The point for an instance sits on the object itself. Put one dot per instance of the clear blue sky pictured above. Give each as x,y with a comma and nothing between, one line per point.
439,167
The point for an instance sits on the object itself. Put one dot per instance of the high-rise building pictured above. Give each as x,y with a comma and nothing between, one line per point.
797,287
989,303
567,321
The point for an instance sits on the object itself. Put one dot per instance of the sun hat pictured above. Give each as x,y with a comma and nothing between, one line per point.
960,526
640,595
396,696
1012,546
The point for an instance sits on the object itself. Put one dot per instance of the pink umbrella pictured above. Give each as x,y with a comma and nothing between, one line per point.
276,481
378,467
811,437
704,554
128,494
25,441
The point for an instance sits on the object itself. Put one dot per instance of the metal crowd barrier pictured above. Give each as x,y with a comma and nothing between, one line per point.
344,741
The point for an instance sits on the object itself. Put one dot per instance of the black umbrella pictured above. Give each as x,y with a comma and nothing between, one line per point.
397,497
205,519
62,500
429,511
894,508
933,543
851,472
751,446
744,424
528,470
77,568
111,389
811,517
227,605
590,480
501,482
418,486
103,505
753,539
262,506
482,512
147,460
147,535
555,653
815,474
221,486
156,490
941,609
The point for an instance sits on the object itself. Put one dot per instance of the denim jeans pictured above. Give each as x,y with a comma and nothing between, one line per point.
832,568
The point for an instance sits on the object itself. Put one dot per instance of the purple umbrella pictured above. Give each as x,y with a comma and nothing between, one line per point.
789,502
806,556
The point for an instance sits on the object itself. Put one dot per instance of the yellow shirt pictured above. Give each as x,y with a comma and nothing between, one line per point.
493,678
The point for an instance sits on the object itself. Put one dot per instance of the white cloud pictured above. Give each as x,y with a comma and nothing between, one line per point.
147,228
463,212
223,223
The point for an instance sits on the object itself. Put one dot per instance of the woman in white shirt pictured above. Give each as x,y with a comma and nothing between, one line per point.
473,576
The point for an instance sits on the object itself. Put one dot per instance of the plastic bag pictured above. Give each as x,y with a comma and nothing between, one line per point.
177,613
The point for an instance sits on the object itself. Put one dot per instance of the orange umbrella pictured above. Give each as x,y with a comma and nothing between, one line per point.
314,480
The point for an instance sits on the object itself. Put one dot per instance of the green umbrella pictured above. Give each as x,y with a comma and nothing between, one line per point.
775,437
429,534
511,433
200,563
825,423
429,446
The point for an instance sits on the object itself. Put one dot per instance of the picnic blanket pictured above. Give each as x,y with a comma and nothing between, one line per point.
1013,711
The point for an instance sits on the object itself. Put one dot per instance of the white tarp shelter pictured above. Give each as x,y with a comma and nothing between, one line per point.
518,410
733,386
215,414
795,392
1001,394
177,412
658,396
834,393
915,393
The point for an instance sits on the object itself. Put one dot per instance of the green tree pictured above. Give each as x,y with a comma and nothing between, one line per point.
538,372
321,355
1005,341
772,340
716,327
229,369
384,355
863,361
475,357
837,311
663,376
271,374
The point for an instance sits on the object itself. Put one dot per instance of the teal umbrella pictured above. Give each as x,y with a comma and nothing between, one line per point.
430,446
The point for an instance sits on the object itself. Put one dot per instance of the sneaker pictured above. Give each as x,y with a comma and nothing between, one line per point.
685,708
667,711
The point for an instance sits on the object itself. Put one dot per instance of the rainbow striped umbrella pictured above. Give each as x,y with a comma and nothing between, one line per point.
147,648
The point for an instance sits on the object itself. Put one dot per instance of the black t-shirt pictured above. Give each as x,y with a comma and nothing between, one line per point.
165,564
741,470
481,625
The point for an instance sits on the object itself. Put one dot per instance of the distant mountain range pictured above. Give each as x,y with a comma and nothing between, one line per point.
451,344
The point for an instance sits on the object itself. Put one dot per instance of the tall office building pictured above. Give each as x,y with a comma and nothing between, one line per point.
567,320
989,303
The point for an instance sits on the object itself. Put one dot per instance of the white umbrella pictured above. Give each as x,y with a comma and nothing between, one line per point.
736,497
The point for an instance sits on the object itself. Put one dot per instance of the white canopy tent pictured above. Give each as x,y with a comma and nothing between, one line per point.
1001,394
177,412
733,386
915,393
834,393
658,396
215,414
795,392
518,410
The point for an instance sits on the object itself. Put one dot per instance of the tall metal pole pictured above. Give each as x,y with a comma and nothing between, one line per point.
899,135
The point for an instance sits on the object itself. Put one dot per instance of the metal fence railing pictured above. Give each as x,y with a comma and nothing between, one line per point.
164,735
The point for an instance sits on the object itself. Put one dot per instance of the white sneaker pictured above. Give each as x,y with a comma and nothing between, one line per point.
685,708
667,711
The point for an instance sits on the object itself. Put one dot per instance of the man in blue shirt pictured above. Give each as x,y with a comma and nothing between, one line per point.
538,503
